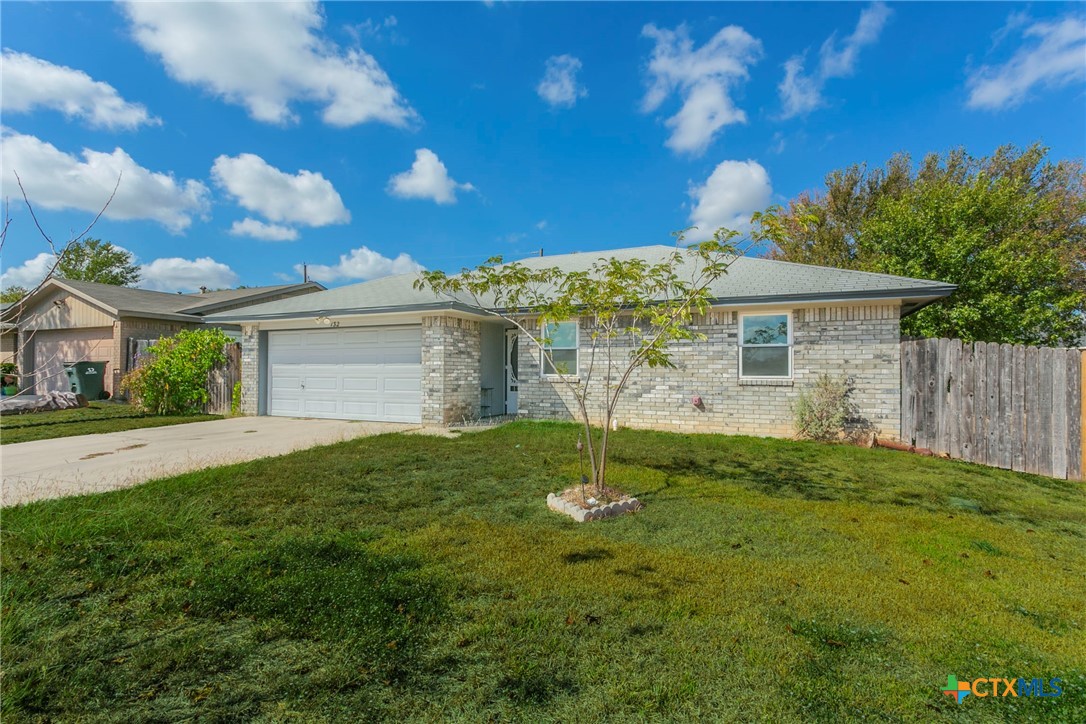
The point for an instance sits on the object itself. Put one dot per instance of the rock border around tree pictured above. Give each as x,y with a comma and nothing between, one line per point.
599,512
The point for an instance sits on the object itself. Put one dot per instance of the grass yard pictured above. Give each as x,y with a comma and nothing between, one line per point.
98,417
420,578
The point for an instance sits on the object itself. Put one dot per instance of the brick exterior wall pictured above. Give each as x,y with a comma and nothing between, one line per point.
250,369
450,370
860,340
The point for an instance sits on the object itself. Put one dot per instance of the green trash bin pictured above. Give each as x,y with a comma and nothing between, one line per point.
87,379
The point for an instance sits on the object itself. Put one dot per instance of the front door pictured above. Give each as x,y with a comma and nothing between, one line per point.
512,369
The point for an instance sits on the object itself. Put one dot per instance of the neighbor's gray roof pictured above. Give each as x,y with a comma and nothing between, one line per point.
749,280
129,301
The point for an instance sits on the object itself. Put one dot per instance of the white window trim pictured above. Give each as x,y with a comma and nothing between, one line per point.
576,373
791,346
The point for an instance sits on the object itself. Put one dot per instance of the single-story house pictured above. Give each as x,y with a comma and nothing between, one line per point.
75,321
385,351
8,335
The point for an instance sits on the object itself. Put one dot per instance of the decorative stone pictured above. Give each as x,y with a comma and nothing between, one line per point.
598,512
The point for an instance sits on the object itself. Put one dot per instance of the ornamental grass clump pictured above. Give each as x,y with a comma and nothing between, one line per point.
172,377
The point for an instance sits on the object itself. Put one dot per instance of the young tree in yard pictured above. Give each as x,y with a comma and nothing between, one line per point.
1008,229
94,260
632,311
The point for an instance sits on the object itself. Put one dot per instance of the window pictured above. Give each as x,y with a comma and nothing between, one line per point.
765,345
562,348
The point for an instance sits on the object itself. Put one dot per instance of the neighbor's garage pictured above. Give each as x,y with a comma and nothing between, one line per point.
360,373
53,348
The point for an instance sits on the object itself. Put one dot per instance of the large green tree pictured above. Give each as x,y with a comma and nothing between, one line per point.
94,260
1009,229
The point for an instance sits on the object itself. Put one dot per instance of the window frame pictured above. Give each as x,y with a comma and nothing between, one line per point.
790,345
576,348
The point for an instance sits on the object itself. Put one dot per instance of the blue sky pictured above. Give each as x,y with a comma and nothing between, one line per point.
367,139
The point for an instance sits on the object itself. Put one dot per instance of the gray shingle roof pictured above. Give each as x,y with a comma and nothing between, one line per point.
136,302
749,280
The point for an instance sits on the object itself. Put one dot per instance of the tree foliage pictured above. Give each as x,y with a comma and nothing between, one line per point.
94,260
172,378
12,294
1009,229
631,311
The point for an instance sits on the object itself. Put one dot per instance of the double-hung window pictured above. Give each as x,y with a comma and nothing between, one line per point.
765,345
561,347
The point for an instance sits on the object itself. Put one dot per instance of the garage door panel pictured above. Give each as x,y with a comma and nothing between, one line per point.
362,409
321,382
319,406
360,374
400,384
361,384
355,337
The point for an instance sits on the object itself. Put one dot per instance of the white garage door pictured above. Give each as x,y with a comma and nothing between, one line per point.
366,373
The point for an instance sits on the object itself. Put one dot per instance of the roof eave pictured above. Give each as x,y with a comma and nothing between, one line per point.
348,311
205,309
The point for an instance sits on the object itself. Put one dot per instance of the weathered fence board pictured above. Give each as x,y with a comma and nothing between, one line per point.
221,381
1008,406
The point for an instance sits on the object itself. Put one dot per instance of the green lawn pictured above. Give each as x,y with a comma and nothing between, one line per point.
98,417
421,578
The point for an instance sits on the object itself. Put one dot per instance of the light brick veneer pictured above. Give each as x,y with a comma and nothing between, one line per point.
450,370
861,341
250,369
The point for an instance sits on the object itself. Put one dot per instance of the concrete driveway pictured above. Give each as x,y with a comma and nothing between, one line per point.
65,466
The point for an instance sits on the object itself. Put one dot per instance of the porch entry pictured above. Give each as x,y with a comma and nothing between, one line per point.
511,371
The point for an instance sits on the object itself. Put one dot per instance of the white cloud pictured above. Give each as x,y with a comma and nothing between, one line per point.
57,180
559,86
266,56
361,263
734,191
29,273
305,198
265,232
186,275
1052,55
376,29
704,78
31,83
800,92
426,179
541,224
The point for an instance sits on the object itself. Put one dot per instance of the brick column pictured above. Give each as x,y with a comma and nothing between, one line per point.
250,369
450,370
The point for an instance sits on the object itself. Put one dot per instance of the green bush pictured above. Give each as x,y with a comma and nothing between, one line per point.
172,380
824,411
235,400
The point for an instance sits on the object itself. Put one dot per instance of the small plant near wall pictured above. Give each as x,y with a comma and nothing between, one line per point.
172,380
823,412
10,381
235,400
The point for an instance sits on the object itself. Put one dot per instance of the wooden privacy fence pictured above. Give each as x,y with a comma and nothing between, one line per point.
1008,406
221,381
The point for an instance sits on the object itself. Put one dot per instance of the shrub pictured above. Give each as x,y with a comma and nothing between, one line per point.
235,400
172,378
824,411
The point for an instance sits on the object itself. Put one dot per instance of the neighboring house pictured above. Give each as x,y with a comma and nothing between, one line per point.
383,350
74,321
8,335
